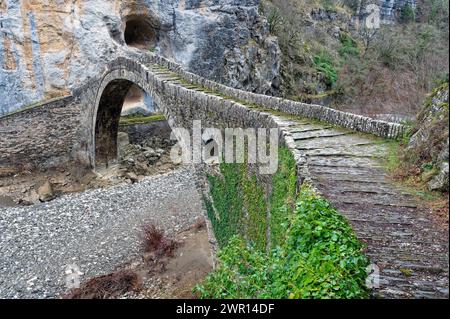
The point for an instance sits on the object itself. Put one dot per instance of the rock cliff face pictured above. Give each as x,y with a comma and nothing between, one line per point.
49,47
429,143
390,10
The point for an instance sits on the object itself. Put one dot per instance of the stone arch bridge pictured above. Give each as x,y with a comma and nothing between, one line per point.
339,153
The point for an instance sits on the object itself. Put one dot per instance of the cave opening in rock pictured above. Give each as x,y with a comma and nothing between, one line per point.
140,33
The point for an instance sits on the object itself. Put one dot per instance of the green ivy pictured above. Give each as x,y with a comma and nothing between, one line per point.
320,258
239,205
256,207
349,47
228,203
243,273
282,198
408,13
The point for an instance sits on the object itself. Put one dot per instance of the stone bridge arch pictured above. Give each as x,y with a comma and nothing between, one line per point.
107,110
62,133
64,129
179,104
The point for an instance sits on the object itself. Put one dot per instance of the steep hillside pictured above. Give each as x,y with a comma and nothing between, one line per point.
331,57
425,155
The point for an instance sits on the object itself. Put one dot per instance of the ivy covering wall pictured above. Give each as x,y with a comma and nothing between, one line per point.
240,205
276,243
320,258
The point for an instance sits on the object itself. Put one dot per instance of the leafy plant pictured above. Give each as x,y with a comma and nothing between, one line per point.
349,46
275,20
320,258
324,65
408,13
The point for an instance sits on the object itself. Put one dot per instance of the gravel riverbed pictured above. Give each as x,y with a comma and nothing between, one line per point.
96,231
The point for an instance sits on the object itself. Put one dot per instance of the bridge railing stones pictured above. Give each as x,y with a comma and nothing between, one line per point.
318,112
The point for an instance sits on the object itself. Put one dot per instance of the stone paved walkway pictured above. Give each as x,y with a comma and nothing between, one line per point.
402,240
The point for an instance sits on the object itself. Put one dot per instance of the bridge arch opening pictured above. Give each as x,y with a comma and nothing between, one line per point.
107,121
124,106
137,101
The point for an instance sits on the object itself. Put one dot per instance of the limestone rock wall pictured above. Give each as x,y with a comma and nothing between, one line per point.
47,48
390,10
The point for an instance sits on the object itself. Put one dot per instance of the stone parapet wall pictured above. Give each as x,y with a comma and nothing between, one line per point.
322,113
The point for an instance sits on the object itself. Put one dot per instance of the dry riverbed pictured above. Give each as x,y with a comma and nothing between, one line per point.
99,232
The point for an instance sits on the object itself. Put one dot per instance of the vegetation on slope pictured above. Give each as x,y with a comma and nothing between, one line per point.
386,71
136,119
420,159
418,156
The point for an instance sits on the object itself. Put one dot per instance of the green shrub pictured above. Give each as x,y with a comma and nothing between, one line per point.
408,14
274,20
324,65
352,4
320,258
322,253
243,273
348,46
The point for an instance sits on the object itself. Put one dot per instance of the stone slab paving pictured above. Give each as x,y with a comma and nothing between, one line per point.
410,250
97,230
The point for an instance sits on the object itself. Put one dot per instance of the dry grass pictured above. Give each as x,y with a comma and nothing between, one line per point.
412,176
106,287
440,209
156,243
